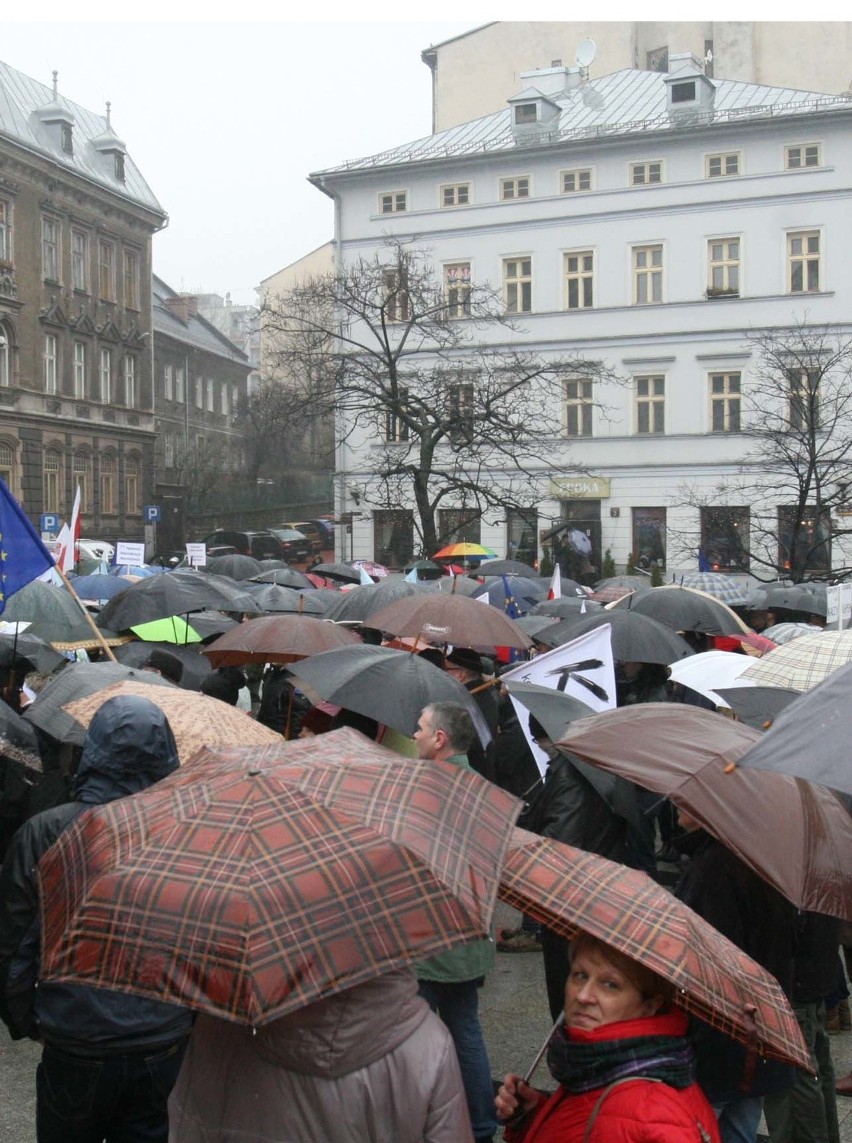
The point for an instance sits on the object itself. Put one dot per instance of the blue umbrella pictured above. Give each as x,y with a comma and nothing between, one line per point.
98,586
141,570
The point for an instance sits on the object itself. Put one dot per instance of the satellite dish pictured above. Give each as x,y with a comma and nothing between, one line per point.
586,52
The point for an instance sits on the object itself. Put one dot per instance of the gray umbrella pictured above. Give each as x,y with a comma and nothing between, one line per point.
684,609
283,576
196,667
567,607
235,566
507,567
635,638
271,597
757,706
173,593
345,573
357,605
810,737
810,598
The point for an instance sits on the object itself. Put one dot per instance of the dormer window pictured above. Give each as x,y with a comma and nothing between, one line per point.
526,113
683,92
119,166
67,138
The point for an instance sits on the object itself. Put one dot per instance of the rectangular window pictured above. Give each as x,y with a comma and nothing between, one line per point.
396,428
169,382
50,260
802,155
725,402
803,399
804,540
579,280
235,400
180,387
81,475
725,538
723,266
649,538
131,486
199,393
130,381
223,400
721,166
522,536
80,261
50,485
459,525
106,270
650,404
517,285
131,279
50,360
457,289
526,113
455,194
5,230
393,202
79,370
105,375
643,174
211,405
517,187
396,297
578,407
109,486
168,450
647,275
571,182
803,257
393,536
460,410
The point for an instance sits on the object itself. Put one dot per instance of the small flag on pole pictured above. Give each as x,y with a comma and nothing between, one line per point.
555,589
68,552
23,557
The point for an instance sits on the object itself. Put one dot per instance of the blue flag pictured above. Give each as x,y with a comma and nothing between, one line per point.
703,562
510,606
23,556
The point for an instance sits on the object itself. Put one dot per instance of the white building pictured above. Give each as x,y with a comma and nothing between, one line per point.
612,211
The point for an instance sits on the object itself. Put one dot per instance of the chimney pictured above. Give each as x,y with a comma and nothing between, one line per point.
192,304
179,308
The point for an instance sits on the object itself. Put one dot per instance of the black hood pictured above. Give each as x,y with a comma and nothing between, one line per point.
128,747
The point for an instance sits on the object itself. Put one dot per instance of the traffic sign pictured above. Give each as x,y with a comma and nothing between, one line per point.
151,513
49,522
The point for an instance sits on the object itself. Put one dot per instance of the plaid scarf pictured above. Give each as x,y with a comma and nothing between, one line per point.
583,1067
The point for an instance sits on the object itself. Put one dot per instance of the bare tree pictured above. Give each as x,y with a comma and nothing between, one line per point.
428,372
272,419
792,488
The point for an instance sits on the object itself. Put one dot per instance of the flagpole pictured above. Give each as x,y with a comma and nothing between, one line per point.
98,633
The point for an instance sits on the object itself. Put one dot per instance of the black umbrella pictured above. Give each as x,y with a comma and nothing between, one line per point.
235,566
526,592
357,605
210,624
532,624
273,565
389,686
343,572
52,614
635,638
810,738
76,681
270,597
684,609
455,585
35,651
757,706
19,733
809,598
426,569
196,667
506,567
283,576
174,593
629,582
567,607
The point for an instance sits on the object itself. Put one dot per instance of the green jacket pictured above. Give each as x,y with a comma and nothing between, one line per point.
464,962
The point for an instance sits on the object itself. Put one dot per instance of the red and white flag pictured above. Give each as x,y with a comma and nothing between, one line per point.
68,551
555,589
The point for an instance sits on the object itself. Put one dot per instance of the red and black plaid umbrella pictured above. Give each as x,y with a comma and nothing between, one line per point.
263,878
571,891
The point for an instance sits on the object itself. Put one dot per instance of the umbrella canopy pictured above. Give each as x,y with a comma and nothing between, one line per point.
211,623
810,738
723,587
456,619
377,571
273,597
757,706
196,667
197,721
141,571
53,615
389,686
455,585
810,598
75,681
706,672
629,582
685,609
260,879
426,569
635,638
23,645
572,891
533,624
357,605
686,753
506,567
98,587
341,573
277,639
173,629
804,662
174,593
283,576
462,550
523,591
235,566
18,733
785,632
567,607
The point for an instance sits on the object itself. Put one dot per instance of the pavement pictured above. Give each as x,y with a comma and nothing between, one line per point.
513,1007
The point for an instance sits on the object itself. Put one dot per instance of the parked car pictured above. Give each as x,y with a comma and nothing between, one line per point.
313,533
295,545
261,545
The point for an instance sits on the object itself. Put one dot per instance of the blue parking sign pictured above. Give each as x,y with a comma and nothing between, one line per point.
151,513
49,522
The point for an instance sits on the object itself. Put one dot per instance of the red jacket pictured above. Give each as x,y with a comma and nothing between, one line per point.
639,1111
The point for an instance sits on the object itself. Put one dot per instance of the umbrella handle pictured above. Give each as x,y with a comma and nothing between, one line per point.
560,1019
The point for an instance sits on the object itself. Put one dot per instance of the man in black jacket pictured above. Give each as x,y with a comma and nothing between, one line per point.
465,665
109,1059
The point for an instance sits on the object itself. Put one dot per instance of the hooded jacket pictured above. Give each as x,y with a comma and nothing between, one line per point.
369,1065
128,747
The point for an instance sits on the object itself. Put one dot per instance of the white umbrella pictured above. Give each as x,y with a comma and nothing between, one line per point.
711,669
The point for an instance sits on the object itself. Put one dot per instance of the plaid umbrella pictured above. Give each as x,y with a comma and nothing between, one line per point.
456,619
261,879
277,639
795,835
723,587
572,891
802,663
196,720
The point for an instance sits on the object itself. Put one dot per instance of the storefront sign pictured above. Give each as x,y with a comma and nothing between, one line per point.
579,487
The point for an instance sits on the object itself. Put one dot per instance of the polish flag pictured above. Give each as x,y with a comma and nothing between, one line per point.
68,557
555,589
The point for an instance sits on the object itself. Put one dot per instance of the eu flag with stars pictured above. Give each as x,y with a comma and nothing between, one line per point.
23,556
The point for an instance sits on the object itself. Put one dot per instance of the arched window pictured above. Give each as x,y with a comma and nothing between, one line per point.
81,473
131,486
5,355
51,484
109,485
7,464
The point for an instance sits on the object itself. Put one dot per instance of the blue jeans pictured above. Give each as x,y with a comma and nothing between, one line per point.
739,1119
458,1006
119,1099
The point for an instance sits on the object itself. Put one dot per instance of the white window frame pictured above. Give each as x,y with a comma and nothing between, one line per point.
451,195
654,398
6,250
211,396
578,407
80,371
805,257
131,486
51,247
397,301
581,275
168,450
457,293
81,476
130,279
579,175
517,283
109,484
393,202
723,158
515,187
724,389
130,394
725,264
651,272
105,374
180,385
5,356
647,167
106,270
802,148
169,382
396,429
223,400
50,363
51,468
199,392
79,260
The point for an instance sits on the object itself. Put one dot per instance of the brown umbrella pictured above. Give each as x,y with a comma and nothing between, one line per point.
455,619
196,720
282,638
264,878
570,891
795,835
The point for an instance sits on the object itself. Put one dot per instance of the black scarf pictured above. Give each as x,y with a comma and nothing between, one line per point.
583,1067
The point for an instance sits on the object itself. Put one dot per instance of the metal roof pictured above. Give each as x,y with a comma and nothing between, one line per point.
197,332
22,97
625,103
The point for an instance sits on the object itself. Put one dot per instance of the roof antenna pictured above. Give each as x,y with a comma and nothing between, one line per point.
108,106
55,82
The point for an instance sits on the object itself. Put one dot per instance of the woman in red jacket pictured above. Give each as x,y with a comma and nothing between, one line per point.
622,1060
